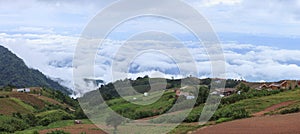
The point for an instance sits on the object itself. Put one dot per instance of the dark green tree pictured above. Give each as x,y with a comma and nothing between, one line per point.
243,87
202,95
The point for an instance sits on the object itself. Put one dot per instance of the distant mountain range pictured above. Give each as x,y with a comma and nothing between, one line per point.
14,72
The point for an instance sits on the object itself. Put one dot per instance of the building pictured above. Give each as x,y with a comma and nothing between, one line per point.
27,90
190,97
187,95
263,86
23,90
226,91
146,94
278,85
20,90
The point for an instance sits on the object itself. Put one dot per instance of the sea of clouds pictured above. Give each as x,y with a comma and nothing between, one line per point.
53,54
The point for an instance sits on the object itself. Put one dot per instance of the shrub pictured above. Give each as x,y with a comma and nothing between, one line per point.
79,114
30,119
231,112
11,124
251,94
45,121
51,116
291,110
243,87
58,132
221,120
202,95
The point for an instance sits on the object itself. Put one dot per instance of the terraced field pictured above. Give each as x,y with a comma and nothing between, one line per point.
13,105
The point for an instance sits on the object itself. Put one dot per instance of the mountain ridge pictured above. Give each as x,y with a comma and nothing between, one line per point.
14,72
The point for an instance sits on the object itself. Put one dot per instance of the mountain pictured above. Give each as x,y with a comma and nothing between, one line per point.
14,72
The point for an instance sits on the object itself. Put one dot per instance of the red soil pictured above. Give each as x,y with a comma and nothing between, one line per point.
77,129
27,98
257,125
52,101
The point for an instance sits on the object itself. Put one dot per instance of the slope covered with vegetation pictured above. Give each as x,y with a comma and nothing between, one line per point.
14,72
19,111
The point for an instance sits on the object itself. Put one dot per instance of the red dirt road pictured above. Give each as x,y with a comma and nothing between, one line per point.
272,108
279,124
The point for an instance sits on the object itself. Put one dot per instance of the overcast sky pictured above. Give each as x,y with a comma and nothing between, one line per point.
260,39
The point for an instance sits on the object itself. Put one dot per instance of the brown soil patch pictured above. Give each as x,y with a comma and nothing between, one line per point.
77,129
274,107
50,100
257,125
27,98
8,106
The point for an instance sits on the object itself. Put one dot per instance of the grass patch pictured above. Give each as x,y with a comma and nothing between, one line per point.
4,93
13,105
58,124
260,103
28,107
134,111
52,116
183,129
221,120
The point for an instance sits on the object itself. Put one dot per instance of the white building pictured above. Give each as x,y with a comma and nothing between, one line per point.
25,90
190,97
146,94
20,90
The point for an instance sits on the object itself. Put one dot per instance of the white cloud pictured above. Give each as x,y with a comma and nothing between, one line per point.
252,16
52,54
209,3
39,50
43,33
242,16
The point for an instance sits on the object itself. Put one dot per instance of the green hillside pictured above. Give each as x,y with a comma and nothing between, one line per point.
233,107
30,110
14,72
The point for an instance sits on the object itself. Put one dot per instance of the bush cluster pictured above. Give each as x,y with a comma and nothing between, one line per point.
251,94
11,124
291,110
48,117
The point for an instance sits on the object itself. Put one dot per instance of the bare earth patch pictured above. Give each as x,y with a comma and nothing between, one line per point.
77,129
257,125
28,98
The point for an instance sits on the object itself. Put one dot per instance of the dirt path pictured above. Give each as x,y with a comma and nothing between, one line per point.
77,129
257,125
272,108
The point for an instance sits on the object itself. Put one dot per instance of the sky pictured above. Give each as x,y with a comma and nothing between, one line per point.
260,39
